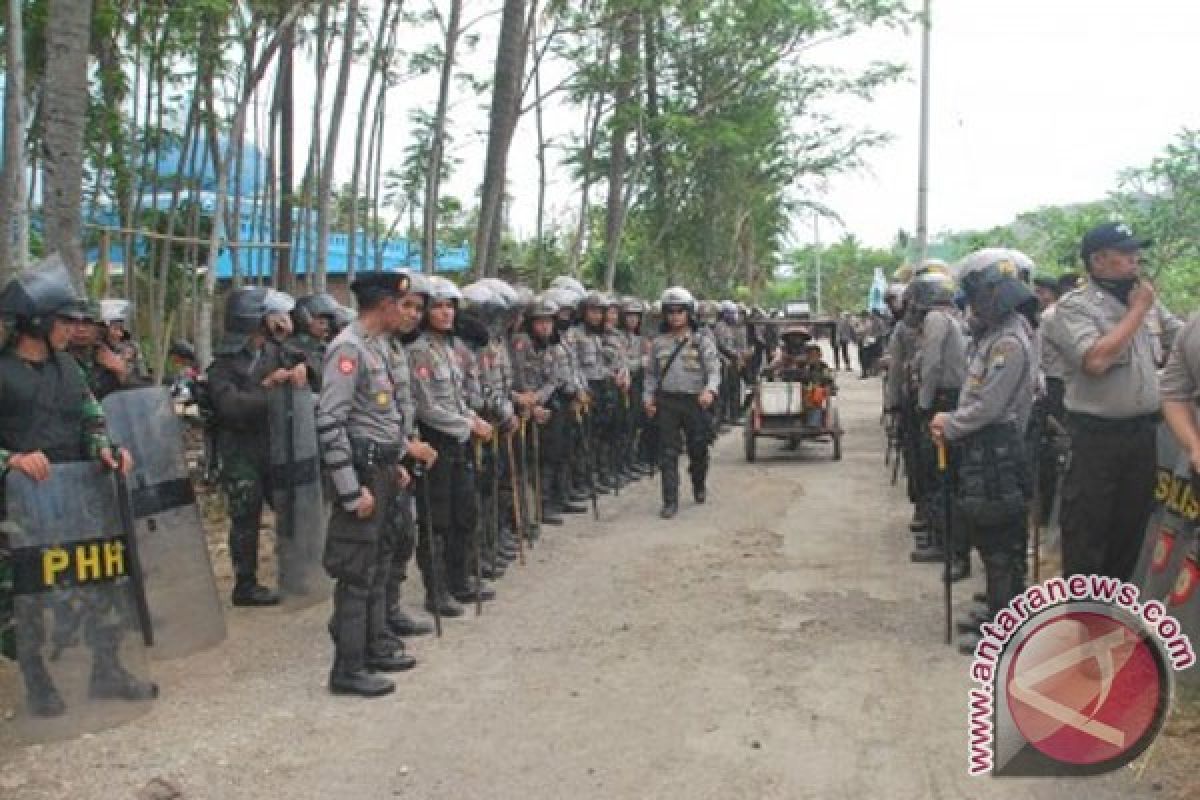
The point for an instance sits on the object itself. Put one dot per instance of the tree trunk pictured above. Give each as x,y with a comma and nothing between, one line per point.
506,89
325,186
433,172
14,214
623,110
385,40
651,25
285,109
204,329
540,226
68,36
312,171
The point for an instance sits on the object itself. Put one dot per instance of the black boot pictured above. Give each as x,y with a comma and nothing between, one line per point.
670,488
446,606
919,521
960,568
111,681
243,552
472,591
550,515
930,554
350,631
249,593
41,697
400,623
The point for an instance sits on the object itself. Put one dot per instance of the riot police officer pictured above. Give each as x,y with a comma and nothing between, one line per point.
252,360
362,432
939,366
988,426
313,322
448,422
682,379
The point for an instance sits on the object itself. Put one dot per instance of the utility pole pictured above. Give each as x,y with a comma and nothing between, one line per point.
817,256
923,157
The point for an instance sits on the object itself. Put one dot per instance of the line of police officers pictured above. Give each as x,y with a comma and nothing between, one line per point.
452,424
1033,395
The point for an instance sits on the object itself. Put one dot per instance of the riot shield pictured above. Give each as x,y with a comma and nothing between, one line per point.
1183,602
1171,527
295,481
81,641
172,544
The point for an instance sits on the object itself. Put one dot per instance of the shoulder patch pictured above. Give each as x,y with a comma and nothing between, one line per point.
347,365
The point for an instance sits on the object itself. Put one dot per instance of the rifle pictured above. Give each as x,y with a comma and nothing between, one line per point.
517,526
537,472
521,481
476,534
289,503
948,544
494,542
591,462
138,585
435,549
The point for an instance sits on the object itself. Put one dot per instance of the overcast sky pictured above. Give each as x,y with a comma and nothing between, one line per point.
1034,102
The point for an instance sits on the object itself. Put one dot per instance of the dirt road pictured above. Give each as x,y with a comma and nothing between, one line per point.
774,643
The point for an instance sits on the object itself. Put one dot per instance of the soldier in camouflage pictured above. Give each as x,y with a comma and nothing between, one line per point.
252,360
47,416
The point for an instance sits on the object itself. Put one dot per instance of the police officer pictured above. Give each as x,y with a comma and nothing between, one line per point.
1106,331
567,298
636,344
1181,391
402,519
900,401
313,323
543,371
725,335
49,416
361,431
682,379
988,426
114,317
596,361
251,361
939,367
441,387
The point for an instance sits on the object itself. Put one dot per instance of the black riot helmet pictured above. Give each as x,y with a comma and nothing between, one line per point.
35,297
309,307
246,313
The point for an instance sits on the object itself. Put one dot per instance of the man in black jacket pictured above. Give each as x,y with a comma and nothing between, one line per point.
251,361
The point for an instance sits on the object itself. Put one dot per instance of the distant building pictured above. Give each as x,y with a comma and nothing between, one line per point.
255,262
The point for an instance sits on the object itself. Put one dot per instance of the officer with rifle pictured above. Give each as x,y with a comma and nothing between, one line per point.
987,428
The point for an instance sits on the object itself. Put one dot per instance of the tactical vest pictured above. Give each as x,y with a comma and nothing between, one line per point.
994,484
41,407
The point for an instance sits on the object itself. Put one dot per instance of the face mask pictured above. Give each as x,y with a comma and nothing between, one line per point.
1119,289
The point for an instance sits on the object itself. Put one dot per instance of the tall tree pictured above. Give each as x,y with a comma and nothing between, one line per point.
325,190
626,109
505,110
14,214
64,113
451,29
